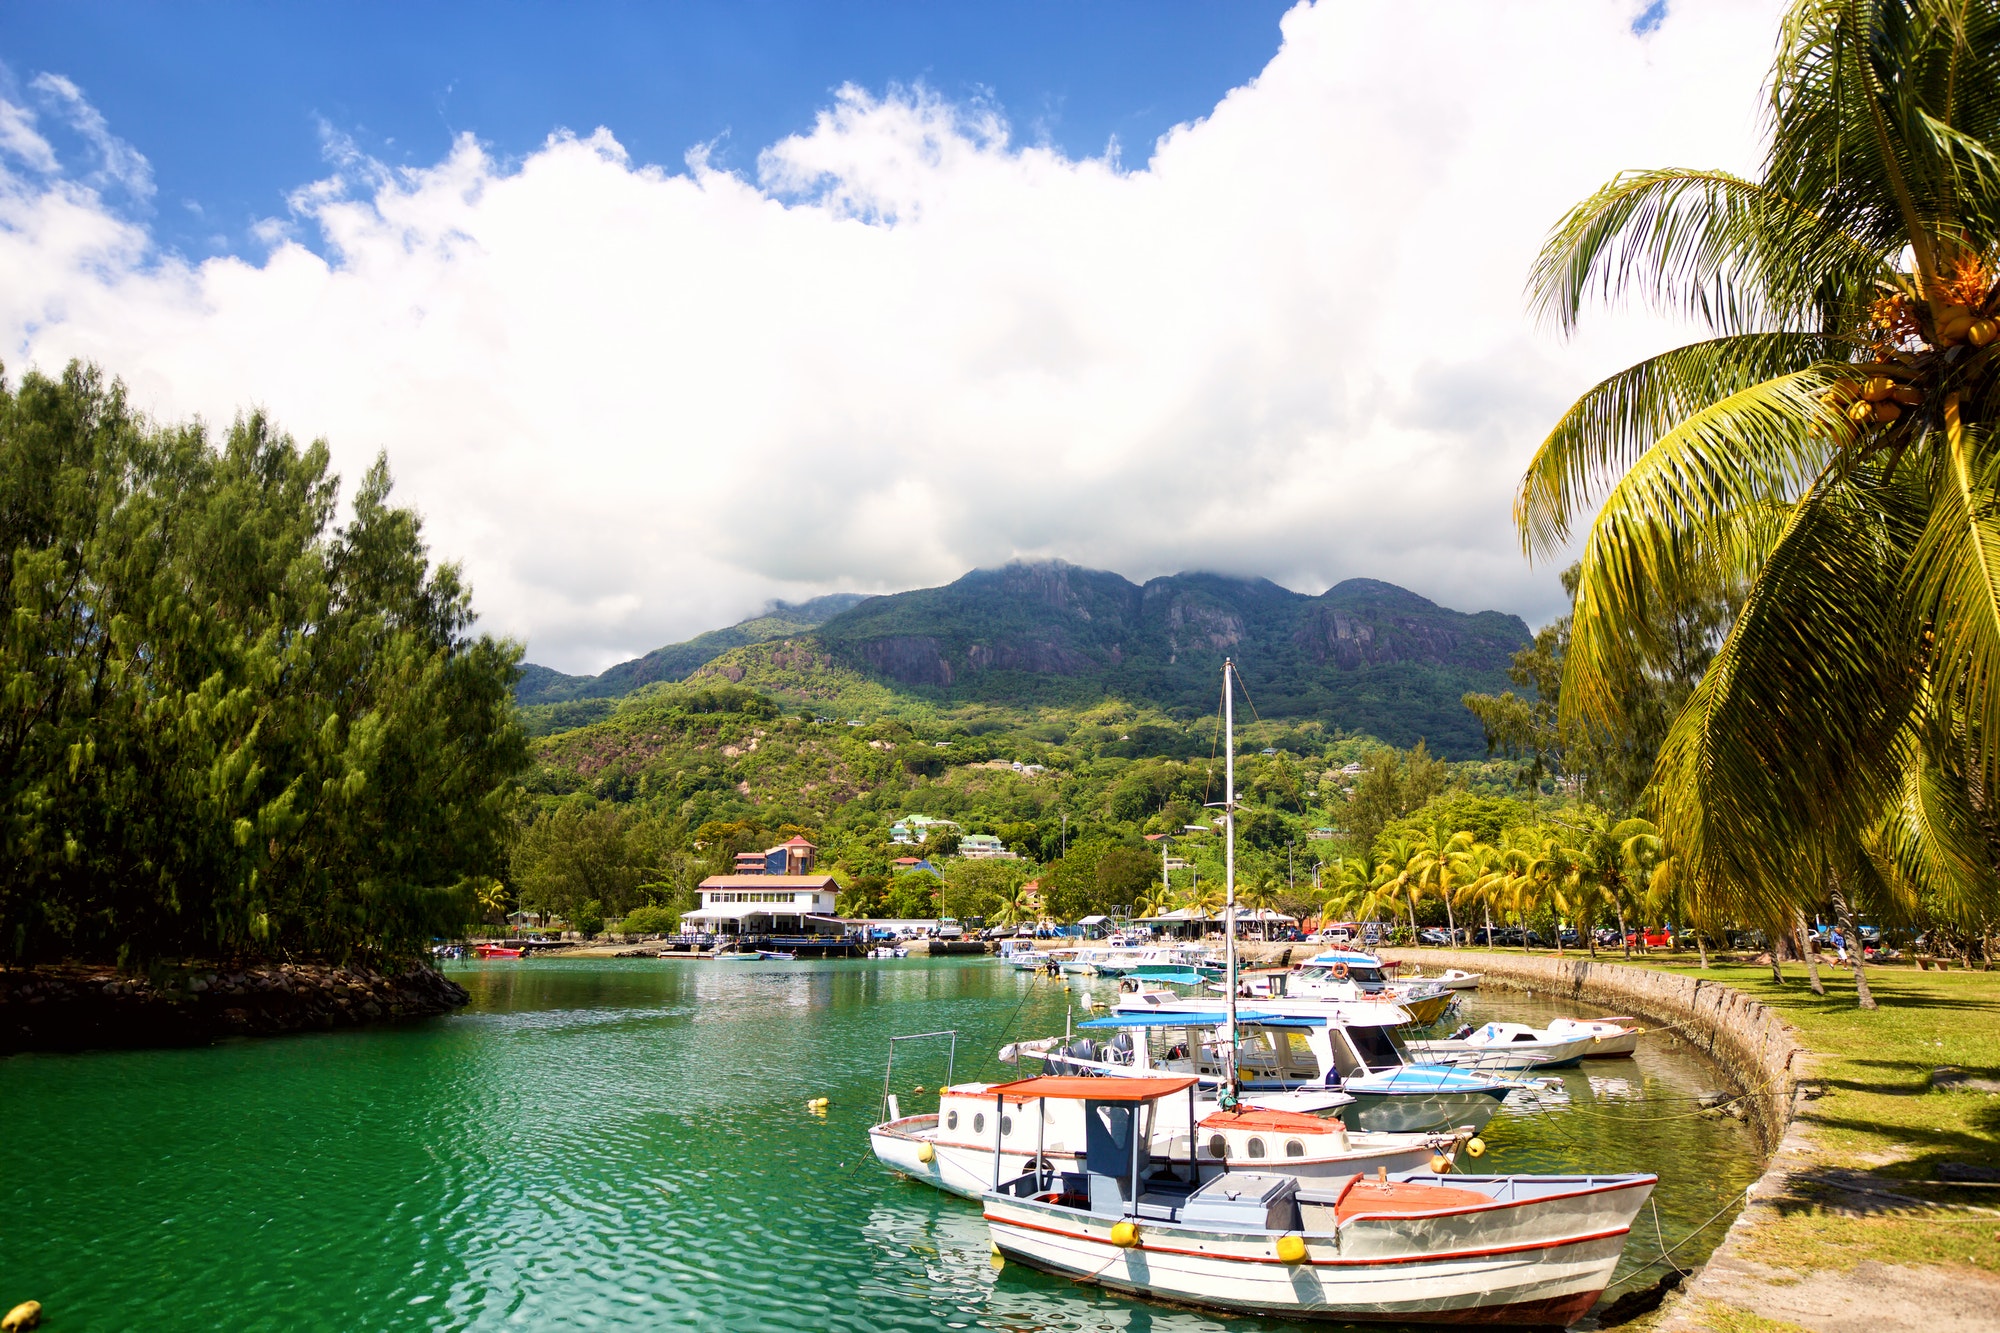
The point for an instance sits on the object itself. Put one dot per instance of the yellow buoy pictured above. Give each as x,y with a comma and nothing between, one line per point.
1476,1146
925,1152
1440,1163
993,1247
1291,1249
22,1317
1124,1235
917,1091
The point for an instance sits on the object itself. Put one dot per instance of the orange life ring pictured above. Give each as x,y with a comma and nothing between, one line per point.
1339,971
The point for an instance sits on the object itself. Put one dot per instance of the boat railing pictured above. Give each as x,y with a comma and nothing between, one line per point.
950,1067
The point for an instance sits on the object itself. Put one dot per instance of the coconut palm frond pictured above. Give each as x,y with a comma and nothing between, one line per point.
1734,254
1954,576
1698,496
1613,425
1928,849
1790,733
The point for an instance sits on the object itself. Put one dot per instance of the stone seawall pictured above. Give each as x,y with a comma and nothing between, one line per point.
1747,1038
69,1008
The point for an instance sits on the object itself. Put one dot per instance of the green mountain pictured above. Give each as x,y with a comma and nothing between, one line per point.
541,685
1363,656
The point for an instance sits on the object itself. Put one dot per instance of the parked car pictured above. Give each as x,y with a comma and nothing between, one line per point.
1652,937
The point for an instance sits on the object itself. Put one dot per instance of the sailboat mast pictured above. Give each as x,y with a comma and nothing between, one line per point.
1229,878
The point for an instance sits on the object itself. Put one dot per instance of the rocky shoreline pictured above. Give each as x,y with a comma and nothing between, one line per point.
71,1007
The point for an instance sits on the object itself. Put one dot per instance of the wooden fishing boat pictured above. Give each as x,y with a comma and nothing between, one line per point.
1415,1248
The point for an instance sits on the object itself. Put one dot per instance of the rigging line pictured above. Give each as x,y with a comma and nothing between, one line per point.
1663,1258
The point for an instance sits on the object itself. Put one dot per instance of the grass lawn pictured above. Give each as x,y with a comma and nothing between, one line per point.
1878,1112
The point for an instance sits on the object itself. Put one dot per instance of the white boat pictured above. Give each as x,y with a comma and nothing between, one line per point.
1502,1045
888,951
1347,974
952,1148
1609,1037
1417,1247
1457,978
1285,1044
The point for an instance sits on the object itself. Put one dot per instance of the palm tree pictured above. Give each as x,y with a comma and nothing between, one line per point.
1394,871
1017,905
1437,866
1829,454
1485,868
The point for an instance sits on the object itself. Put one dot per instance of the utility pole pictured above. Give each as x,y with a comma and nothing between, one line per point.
1065,835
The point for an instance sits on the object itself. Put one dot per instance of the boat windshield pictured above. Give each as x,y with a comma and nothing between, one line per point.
1378,1046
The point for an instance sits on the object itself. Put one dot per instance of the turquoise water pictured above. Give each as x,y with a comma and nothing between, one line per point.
625,1144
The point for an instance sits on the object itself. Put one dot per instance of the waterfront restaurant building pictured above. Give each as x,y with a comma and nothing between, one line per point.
772,893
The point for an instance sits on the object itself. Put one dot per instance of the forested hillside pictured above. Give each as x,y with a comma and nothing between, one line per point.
1362,657
540,685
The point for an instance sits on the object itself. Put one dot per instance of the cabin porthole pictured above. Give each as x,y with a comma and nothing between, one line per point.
1006,1126
951,1120
979,1123
1293,1148
1256,1146
1218,1147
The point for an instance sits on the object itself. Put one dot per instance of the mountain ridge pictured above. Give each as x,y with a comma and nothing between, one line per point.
1365,655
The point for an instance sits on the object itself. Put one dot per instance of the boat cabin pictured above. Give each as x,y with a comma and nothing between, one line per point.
1274,1052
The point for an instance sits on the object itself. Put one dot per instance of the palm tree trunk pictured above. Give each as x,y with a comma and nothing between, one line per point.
1411,899
1846,914
1702,946
1812,959
1624,937
1450,923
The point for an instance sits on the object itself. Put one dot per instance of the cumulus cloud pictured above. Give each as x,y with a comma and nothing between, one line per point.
636,402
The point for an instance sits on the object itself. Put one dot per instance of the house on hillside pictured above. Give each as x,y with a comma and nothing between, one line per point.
984,846
913,829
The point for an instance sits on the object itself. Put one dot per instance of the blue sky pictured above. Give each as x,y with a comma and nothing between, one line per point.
227,100
908,317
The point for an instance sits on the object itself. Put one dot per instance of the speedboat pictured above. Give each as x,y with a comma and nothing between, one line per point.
1412,1247
1304,1048
952,1148
497,951
888,951
1348,974
1504,1043
1609,1037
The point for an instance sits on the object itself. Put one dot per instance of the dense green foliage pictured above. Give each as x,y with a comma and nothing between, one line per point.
228,725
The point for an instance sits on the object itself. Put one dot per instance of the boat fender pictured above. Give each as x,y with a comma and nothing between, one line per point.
1291,1249
22,1317
1124,1235
1440,1163
917,1091
925,1153
1475,1146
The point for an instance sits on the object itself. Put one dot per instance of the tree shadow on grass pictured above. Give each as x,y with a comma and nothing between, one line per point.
1930,1146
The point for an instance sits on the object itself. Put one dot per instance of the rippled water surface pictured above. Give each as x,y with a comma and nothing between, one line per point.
609,1144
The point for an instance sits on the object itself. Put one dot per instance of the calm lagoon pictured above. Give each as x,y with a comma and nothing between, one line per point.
626,1144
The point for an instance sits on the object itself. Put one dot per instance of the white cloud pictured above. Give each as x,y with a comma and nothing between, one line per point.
118,162
637,402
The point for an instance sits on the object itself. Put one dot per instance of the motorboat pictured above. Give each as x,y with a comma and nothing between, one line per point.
1406,1247
1303,1048
888,951
1344,974
497,951
1609,1037
1500,1044
952,1147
